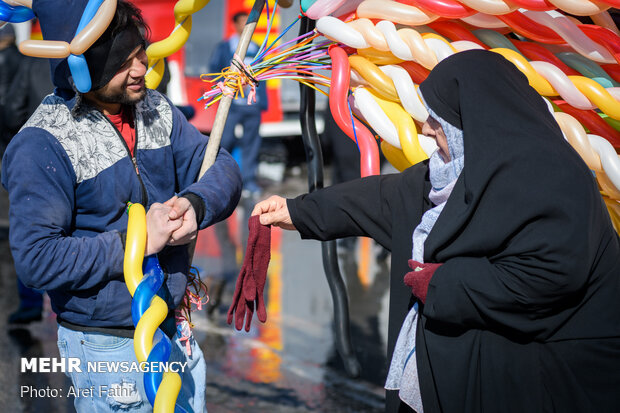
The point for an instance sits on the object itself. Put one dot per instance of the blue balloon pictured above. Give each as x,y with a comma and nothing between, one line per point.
77,64
80,72
88,14
160,352
150,285
15,14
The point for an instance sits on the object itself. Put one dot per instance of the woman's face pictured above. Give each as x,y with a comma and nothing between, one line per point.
433,129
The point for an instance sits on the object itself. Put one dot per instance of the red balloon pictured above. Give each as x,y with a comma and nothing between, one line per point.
604,36
591,120
535,51
454,31
613,71
416,71
338,104
444,8
536,5
527,27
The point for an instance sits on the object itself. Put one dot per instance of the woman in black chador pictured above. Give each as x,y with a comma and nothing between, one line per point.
506,245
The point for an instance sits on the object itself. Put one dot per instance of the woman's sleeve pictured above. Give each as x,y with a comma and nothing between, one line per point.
362,207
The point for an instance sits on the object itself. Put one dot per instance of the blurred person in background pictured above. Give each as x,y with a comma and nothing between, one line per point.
10,59
242,112
28,88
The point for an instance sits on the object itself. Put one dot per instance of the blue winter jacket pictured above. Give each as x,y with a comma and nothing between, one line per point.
69,176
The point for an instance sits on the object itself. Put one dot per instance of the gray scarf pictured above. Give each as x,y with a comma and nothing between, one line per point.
403,373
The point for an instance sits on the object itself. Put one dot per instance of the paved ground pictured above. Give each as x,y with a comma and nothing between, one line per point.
288,364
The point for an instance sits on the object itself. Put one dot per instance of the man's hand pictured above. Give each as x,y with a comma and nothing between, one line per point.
273,211
159,227
181,210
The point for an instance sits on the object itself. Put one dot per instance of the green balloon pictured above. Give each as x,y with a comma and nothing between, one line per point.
493,39
587,68
305,4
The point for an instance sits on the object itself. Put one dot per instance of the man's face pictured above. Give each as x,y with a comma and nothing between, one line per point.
240,23
127,86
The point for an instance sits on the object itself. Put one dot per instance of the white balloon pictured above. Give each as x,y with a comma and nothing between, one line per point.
406,91
569,31
609,158
462,45
485,21
397,46
357,79
440,48
428,144
375,116
339,31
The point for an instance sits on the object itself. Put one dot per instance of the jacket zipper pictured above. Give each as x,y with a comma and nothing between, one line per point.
145,197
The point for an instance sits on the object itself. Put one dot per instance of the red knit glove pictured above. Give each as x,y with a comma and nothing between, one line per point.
251,280
420,277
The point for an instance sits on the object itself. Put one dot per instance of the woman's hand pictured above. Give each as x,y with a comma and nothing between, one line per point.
273,211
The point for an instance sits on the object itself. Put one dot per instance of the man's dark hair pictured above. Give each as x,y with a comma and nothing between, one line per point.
238,15
127,14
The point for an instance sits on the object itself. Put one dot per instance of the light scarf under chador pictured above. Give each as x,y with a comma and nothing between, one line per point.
403,373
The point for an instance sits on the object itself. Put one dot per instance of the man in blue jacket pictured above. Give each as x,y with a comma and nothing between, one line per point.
70,173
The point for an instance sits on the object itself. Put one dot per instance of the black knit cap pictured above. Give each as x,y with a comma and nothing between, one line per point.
109,52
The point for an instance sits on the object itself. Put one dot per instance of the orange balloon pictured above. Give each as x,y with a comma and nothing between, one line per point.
95,28
45,48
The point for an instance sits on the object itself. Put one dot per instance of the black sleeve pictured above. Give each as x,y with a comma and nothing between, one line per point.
363,207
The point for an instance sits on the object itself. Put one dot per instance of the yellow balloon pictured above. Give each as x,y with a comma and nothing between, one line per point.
379,57
597,95
172,43
407,132
147,325
183,10
535,80
155,74
395,156
187,7
167,393
135,247
378,80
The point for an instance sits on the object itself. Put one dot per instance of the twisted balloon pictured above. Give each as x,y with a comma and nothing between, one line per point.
148,311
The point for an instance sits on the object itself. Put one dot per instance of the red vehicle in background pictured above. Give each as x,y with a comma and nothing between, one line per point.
209,26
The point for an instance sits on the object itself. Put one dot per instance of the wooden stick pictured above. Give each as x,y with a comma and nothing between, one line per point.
222,110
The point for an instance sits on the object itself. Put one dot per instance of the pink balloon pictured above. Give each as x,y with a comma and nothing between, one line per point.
323,8
338,93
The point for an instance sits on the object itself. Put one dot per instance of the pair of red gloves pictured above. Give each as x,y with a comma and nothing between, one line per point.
420,277
250,284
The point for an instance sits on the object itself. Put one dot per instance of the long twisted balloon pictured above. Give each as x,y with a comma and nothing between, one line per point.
157,51
428,49
148,311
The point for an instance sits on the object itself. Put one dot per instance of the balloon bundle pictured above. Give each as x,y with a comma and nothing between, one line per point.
296,59
389,47
148,311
